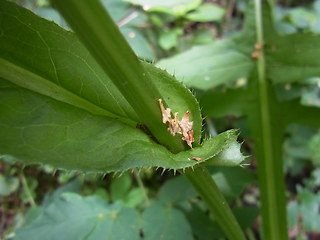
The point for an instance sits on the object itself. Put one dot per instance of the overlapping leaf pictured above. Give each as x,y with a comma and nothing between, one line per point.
34,48
207,66
57,57
58,107
36,128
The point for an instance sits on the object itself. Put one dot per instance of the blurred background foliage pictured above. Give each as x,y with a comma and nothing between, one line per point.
173,33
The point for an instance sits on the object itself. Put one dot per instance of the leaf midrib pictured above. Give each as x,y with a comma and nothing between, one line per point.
32,81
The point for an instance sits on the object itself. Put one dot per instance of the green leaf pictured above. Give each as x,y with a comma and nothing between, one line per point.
8,185
38,129
41,56
102,194
235,102
210,65
292,213
230,156
169,39
134,198
303,62
138,43
174,7
295,148
176,190
117,9
178,97
221,62
29,194
315,180
201,36
210,194
310,97
313,147
309,208
297,145
66,118
301,17
203,226
88,218
165,222
246,216
207,12
232,181
65,71
71,187
120,186
288,58
51,14
285,28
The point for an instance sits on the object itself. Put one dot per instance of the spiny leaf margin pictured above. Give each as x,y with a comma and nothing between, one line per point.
63,69
38,129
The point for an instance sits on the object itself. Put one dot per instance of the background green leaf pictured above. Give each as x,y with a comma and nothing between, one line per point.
309,209
208,66
174,7
220,62
164,222
120,187
8,185
304,49
206,13
88,218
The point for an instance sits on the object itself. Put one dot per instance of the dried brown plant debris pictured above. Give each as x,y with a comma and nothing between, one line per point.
196,158
183,127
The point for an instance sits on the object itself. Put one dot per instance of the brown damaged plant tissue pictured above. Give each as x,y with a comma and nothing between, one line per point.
183,127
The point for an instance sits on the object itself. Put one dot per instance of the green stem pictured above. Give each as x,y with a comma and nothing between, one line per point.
269,168
27,189
143,189
105,42
248,231
250,234
103,39
202,181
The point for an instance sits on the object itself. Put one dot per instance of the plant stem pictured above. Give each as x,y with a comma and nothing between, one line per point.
248,231
250,234
105,42
143,189
127,18
202,181
269,166
103,39
27,189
